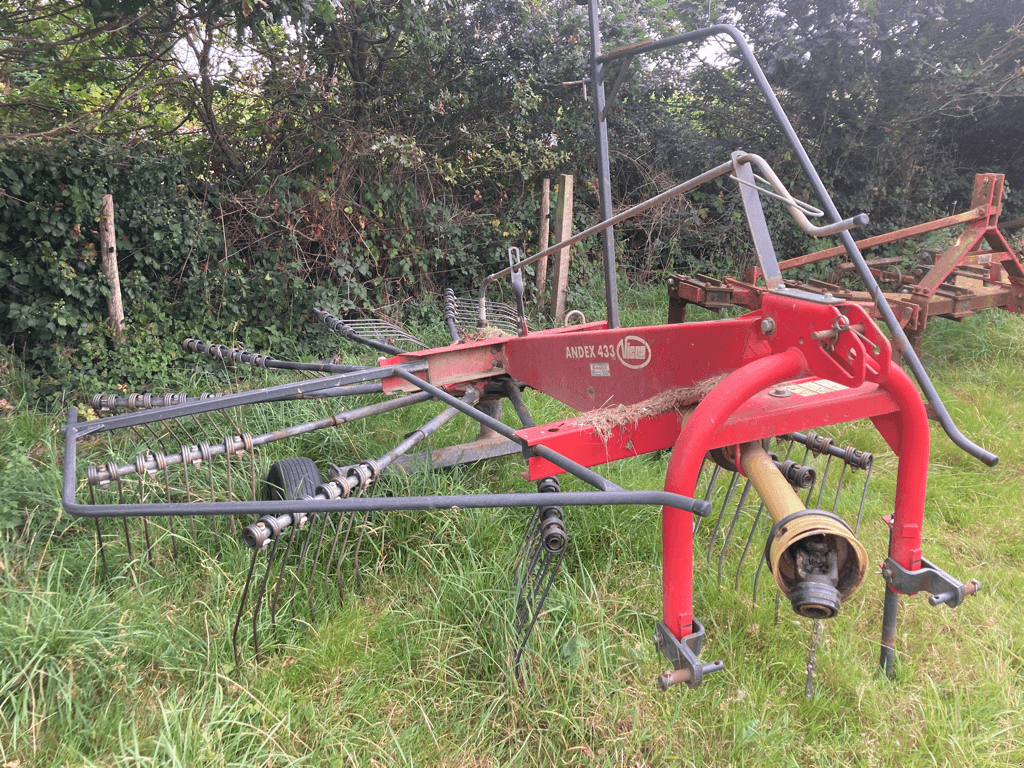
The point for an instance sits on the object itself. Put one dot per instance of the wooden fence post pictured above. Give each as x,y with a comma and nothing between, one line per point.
543,239
108,251
562,229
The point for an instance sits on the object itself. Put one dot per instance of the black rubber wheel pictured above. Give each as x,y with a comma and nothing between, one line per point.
291,478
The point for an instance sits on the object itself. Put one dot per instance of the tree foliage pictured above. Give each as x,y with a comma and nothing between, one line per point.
367,152
891,95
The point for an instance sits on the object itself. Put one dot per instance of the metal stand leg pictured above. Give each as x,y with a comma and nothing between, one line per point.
890,610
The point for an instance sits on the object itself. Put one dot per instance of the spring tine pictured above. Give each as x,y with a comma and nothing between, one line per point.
530,533
103,551
355,555
350,518
528,607
247,439
280,576
310,525
547,575
746,547
241,605
188,497
863,497
99,534
149,544
341,554
821,487
228,444
718,523
757,577
538,560
753,529
312,569
258,600
159,456
124,520
839,488
728,533
709,490
204,448
527,587
227,463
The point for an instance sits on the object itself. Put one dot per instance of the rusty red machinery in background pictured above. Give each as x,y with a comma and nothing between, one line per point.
979,270
730,399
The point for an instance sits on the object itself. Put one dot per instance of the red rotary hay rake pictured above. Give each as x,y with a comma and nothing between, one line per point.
721,395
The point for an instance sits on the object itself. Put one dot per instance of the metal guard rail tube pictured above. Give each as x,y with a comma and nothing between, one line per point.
394,503
563,462
899,337
360,504
668,194
328,385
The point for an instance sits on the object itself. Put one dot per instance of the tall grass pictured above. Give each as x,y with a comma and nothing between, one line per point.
413,668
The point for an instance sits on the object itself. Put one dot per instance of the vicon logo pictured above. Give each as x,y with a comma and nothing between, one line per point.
633,352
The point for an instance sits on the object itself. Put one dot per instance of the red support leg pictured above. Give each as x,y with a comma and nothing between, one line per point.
684,467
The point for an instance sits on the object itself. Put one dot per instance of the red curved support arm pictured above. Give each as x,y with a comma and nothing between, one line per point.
684,467
910,425
907,429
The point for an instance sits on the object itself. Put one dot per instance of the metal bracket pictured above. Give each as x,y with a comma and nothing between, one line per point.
799,293
687,668
942,587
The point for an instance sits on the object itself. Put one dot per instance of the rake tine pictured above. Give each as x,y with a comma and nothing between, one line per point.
99,533
188,493
280,575
530,534
124,520
709,490
302,560
541,551
824,477
746,549
145,521
258,601
529,581
863,497
149,544
161,464
350,517
103,551
757,577
839,488
241,606
355,555
732,524
204,451
229,449
753,530
542,585
347,332
718,523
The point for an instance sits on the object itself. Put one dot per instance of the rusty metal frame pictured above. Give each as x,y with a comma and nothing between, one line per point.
978,271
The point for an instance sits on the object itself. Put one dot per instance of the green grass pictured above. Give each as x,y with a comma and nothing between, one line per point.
136,669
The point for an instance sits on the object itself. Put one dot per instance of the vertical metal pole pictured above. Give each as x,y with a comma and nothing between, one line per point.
604,180
890,609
